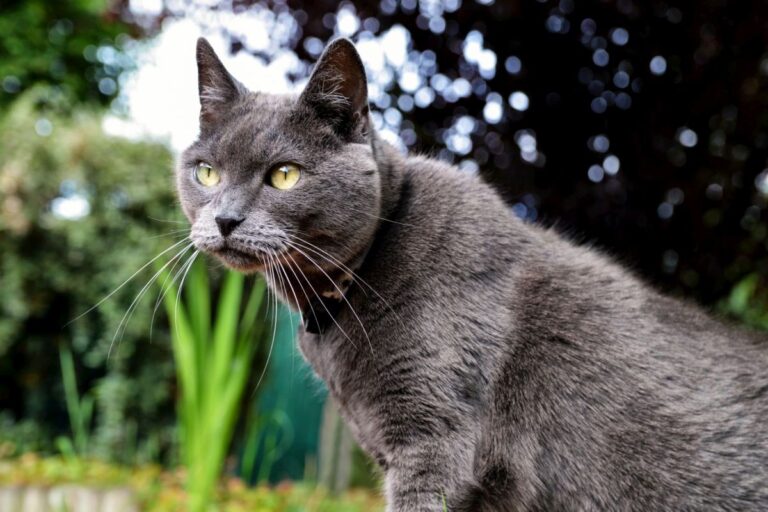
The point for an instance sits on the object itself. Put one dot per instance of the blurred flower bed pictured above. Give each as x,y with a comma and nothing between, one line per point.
159,490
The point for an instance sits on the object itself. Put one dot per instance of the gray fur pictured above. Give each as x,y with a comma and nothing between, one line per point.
500,366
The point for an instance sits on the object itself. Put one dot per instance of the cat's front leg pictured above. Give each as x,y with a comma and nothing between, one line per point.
424,477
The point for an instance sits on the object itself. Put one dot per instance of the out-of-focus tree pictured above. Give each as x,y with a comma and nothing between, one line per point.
641,126
77,217
72,46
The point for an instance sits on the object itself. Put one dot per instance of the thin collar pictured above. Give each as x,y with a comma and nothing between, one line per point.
321,311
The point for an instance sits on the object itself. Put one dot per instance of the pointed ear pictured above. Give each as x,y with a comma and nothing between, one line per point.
217,88
337,90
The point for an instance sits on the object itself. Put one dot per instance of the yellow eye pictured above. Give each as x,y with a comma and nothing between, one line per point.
207,175
284,176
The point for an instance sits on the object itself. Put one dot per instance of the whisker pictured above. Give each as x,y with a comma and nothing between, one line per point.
187,266
281,272
303,291
273,257
343,296
274,329
329,258
175,233
110,294
301,272
169,221
164,289
126,316
334,261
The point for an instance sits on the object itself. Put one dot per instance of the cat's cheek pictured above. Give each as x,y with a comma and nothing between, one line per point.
189,213
186,204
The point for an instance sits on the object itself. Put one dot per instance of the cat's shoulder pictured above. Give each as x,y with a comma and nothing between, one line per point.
444,182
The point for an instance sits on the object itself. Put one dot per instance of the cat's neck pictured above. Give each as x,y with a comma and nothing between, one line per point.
391,164
333,285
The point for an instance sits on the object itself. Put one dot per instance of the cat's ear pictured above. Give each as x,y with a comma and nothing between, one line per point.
337,90
217,88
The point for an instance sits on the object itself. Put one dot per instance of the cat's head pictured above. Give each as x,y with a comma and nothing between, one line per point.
272,176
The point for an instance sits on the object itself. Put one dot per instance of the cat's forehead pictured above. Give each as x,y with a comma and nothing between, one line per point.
268,107
265,125
259,113
257,128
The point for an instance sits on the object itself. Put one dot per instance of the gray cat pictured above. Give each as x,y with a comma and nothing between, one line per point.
484,363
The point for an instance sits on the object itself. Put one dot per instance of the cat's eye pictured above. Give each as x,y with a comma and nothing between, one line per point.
284,176
207,175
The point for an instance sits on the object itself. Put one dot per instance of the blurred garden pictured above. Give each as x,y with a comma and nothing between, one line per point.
128,364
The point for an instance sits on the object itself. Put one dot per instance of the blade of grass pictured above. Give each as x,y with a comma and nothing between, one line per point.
79,416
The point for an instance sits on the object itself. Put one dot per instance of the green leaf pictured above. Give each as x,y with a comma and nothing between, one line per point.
738,302
213,365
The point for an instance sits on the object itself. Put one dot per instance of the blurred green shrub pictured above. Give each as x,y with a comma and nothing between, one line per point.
72,45
78,214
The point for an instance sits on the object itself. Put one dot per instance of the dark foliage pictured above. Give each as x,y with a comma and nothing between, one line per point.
71,46
685,207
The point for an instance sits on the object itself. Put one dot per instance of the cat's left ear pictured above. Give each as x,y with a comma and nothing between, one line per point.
337,91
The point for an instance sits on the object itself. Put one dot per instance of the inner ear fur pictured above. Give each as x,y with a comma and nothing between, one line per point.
337,90
216,87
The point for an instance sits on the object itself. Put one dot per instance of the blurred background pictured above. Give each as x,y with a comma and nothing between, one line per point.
638,127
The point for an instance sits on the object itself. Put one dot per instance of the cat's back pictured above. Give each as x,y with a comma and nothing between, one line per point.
457,216
627,395
631,397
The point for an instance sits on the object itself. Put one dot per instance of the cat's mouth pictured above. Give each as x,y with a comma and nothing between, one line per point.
240,254
240,260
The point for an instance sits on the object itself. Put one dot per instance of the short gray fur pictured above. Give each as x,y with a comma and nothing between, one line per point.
504,367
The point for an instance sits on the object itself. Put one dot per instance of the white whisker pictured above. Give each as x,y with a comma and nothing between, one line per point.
343,296
333,261
303,291
165,287
174,233
301,272
274,331
167,220
186,267
124,320
285,284
110,294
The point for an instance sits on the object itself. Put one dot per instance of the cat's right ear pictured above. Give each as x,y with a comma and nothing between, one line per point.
218,89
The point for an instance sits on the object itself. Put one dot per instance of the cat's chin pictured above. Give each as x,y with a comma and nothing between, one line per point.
239,260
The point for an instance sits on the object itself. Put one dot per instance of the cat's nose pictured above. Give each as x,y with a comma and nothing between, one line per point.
227,223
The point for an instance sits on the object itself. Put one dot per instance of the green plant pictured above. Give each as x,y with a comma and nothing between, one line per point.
79,409
268,435
749,301
213,361
56,263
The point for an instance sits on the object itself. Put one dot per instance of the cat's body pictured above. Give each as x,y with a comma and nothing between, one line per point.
553,379
485,363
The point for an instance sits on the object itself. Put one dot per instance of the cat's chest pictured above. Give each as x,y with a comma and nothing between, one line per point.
346,364
336,359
